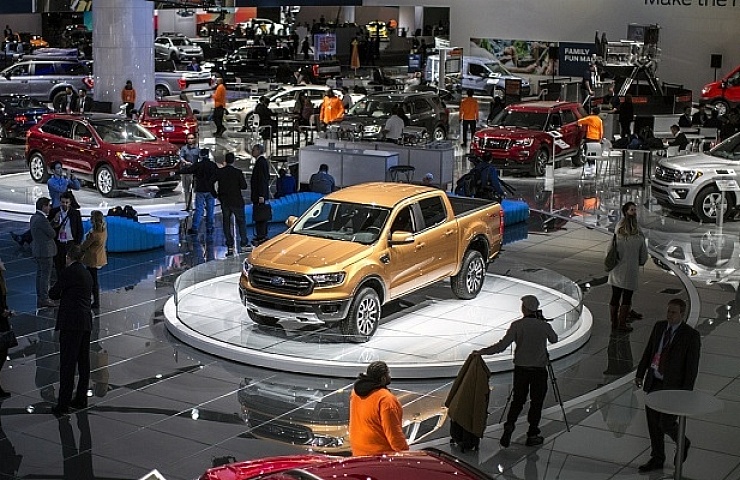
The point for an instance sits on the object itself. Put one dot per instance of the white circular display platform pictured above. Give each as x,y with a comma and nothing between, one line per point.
428,334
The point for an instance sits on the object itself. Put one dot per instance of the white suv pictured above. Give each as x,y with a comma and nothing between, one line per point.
689,183
177,47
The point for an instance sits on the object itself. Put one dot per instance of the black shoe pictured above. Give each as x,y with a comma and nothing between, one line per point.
686,447
652,464
534,440
230,252
59,411
78,404
633,315
505,440
95,305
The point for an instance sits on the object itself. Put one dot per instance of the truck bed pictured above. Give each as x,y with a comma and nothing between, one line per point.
464,205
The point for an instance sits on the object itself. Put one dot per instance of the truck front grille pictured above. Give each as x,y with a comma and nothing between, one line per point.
281,282
165,161
667,174
496,144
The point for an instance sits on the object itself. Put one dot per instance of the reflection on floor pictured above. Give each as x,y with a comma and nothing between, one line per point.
156,403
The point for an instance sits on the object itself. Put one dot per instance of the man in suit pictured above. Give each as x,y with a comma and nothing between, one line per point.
43,249
67,222
679,138
74,323
259,184
227,187
84,103
670,362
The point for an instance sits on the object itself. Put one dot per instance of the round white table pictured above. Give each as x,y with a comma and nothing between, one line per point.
170,219
683,403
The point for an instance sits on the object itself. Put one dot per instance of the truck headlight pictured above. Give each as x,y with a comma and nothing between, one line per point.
328,279
129,157
246,266
524,142
689,176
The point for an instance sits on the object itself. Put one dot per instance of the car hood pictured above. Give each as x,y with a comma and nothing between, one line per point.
712,86
244,104
525,82
301,252
153,148
507,132
699,161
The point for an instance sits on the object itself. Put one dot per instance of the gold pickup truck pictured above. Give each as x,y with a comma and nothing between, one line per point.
363,246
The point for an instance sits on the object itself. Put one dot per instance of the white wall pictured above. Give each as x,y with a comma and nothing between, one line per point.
690,32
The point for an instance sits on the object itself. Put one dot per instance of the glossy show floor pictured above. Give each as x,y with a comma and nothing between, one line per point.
157,403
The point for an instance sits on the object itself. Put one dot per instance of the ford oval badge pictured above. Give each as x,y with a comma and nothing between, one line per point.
277,281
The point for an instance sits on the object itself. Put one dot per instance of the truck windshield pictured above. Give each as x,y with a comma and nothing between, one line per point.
352,222
729,149
499,69
528,120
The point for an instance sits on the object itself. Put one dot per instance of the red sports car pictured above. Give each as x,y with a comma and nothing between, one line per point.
430,464
170,120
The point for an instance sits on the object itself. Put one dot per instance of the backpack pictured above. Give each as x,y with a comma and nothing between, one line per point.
465,186
472,184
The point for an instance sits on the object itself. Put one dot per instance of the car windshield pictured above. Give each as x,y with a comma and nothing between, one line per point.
122,131
528,120
167,111
181,41
352,222
496,67
374,107
729,149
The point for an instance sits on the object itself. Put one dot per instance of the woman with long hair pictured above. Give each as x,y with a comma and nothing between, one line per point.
94,256
624,277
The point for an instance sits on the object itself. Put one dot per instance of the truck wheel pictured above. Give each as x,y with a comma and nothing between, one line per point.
364,316
708,204
439,134
540,162
469,280
722,107
37,168
160,91
262,320
105,181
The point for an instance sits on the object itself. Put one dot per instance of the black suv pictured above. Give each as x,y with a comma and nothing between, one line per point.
424,109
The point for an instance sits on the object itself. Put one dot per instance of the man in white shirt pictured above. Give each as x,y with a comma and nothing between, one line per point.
393,129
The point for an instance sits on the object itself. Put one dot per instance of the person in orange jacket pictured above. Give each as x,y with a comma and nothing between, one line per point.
128,97
375,414
332,109
219,107
469,117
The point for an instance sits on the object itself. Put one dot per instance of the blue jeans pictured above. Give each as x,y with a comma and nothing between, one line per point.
204,200
43,274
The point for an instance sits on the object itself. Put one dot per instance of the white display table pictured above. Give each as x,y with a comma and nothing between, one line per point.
347,166
170,219
683,403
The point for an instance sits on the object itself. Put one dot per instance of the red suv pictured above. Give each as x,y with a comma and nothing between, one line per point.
170,120
519,138
108,150
723,94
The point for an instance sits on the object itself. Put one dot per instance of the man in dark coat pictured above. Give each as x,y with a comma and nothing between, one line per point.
203,173
67,222
74,322
228,184
260,189
670,362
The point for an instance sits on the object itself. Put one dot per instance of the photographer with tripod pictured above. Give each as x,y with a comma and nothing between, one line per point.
531,334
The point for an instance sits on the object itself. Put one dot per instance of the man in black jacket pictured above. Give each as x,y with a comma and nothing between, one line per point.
74,322
679,138
670,362
227,187
203,173
259,184
67,222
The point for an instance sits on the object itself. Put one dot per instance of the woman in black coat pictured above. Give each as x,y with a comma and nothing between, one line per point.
626,111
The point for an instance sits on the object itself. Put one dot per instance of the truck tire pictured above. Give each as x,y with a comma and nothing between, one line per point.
58,99
262,320
708,203
364,316
439,134
469,280
541,159
722,107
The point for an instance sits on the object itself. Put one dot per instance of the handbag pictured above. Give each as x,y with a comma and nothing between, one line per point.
8,340
612,255
261,212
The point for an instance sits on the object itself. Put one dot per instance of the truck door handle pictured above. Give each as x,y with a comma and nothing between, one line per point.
421,245
450,232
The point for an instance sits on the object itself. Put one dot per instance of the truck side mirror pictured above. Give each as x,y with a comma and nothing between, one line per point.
290,221
723,84
401,237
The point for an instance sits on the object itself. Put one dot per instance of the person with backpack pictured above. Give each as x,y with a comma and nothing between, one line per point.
481,182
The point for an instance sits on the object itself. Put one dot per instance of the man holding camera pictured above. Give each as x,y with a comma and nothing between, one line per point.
531,334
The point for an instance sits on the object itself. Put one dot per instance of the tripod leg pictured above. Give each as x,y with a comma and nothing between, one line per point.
556,393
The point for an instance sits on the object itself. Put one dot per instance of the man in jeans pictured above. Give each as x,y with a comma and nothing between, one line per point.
43,248
203,173
228,185
531,334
